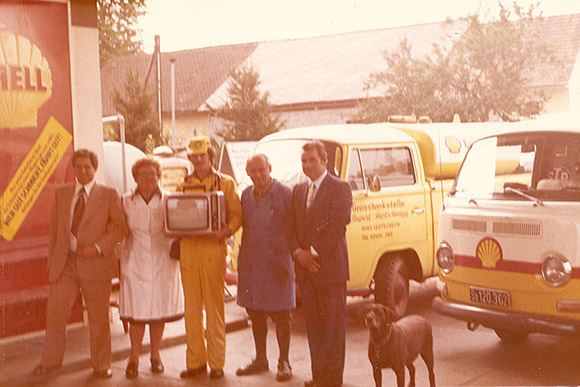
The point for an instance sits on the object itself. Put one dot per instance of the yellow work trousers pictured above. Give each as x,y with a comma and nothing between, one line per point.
203,269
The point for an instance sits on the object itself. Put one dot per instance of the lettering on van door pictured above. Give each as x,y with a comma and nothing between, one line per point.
378,218
381,179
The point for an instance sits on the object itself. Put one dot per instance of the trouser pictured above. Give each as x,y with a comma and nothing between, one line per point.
61,297
325,316
203,269
283,321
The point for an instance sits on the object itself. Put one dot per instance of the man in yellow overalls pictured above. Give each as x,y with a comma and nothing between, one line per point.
203,267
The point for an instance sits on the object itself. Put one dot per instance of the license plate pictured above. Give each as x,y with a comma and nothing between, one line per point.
489,297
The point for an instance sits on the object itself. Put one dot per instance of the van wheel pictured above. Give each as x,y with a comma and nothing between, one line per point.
510,336
392,285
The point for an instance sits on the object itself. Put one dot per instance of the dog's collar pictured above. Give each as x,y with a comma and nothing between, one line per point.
382,342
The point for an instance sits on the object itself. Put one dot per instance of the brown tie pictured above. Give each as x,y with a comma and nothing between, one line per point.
78,212
310,197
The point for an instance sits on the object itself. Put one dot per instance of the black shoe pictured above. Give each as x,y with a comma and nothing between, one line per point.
132,370
284,371
106,374
216,374
255,367
193,372
157,366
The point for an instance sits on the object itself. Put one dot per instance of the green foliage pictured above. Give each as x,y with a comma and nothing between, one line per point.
483,72
247,115
136,104
117,32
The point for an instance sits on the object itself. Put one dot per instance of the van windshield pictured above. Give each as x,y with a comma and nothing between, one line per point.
284,155
528,166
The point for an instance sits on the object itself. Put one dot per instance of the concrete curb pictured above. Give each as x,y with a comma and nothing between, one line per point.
117,355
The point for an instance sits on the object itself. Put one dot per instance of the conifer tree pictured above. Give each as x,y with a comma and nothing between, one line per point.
136,104
247,115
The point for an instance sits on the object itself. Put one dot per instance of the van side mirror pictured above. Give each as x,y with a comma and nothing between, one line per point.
374,183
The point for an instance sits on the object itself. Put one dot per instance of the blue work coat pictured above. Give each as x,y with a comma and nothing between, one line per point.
265,265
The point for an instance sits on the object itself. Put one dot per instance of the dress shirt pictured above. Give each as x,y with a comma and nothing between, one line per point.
316,183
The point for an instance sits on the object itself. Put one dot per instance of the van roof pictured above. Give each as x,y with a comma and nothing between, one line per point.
569,122
344,133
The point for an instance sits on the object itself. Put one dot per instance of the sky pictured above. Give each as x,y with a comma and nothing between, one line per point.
188,24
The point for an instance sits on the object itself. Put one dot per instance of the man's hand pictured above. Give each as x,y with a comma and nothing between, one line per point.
87,251
225,232
306,259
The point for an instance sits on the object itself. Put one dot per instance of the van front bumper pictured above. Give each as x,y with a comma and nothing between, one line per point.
495,319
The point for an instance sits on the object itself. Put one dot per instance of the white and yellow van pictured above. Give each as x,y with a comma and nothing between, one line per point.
509,233
398,174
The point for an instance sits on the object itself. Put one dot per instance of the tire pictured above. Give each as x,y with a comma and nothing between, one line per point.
510,336
392,284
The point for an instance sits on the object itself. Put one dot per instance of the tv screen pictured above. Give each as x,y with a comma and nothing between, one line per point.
187,213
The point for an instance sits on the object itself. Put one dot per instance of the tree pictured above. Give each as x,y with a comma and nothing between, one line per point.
247,115
117,32
136,106
484,72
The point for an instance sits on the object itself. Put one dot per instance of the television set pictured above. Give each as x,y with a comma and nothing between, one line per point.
198,213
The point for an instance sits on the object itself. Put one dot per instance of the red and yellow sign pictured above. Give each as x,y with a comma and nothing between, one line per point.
25,81
35,117
27,183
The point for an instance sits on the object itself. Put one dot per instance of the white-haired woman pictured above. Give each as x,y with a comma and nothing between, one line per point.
151,292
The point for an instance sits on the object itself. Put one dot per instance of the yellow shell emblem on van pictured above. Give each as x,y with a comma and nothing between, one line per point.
453,144
489,252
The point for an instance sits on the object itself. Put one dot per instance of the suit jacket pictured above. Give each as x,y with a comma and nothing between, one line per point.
103,223
323,227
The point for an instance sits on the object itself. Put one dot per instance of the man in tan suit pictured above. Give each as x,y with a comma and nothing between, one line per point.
87,223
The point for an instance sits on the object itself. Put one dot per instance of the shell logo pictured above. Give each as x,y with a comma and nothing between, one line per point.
489,252
453,144
25,81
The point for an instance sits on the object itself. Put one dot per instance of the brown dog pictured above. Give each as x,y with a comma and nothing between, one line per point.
396,344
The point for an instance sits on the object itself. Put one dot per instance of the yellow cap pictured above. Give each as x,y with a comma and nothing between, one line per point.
198,145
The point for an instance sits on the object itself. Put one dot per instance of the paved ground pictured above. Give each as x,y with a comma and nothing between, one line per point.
19,356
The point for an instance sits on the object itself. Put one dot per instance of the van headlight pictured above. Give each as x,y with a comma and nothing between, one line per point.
556,270
445,258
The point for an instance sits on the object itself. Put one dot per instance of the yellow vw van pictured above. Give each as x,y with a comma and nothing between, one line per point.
398,174
509,233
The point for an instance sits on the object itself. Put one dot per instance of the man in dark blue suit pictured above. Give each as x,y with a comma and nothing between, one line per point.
320,212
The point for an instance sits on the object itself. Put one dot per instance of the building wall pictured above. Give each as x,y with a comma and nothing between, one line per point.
559,101
202,123
574,86
186,126
300,118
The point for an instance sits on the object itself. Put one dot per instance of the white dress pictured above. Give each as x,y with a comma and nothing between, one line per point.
150,281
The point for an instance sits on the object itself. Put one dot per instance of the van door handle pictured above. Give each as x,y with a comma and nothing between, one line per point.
418,211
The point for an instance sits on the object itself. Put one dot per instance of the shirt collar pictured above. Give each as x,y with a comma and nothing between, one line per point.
212,173
319,179
88,187
156,192
260,194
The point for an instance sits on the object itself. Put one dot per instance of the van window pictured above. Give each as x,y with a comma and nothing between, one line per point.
523,167
392,166
355,176
284,156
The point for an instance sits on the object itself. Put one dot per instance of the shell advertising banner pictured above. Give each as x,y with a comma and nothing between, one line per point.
35,117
